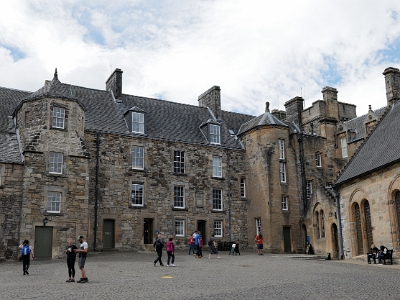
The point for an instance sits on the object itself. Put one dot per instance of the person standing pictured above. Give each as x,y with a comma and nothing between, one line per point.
158,246
260,243
71,256
213,247
170,252
26,253
200,252
196,243
83,249
191,244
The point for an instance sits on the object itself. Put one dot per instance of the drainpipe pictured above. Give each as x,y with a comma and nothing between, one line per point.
96,189
229,197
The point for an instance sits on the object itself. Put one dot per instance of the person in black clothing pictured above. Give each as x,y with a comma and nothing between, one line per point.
158,246
373,254
26,253
71,256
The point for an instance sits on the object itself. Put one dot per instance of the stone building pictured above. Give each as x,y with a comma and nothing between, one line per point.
119,168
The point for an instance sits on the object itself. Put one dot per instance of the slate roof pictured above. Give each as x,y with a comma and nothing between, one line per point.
379,150
165,120
263,120
357,125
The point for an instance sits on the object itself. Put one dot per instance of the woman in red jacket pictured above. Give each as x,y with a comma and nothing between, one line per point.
260,243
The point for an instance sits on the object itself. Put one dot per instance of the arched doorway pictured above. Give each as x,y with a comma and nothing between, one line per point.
368,226
335,241
357,215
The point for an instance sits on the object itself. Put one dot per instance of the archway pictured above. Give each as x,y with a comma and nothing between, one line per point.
335,241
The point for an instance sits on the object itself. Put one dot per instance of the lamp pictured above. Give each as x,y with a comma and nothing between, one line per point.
45,220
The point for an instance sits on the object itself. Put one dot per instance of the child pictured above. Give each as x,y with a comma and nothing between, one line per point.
26,253
170,252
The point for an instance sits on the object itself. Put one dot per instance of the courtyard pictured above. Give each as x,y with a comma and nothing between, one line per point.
128,275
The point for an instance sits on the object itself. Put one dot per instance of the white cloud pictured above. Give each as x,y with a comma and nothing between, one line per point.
257,51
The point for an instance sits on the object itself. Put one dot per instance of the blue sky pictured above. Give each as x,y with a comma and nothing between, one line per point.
256,51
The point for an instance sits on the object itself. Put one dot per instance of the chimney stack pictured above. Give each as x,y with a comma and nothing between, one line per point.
294,107
114,83
329,93
212,99
392,78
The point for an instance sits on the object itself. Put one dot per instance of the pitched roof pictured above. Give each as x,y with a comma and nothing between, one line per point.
379,150
265,119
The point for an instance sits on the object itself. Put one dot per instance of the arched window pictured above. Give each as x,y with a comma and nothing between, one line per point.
322,217
360,248
368,226
317,224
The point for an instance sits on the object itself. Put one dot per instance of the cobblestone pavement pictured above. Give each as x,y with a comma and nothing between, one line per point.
127,275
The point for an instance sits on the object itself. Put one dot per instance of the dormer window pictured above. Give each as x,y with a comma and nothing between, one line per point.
58,117
137,122
215,134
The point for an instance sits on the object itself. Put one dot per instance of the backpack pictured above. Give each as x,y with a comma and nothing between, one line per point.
25,250
210,243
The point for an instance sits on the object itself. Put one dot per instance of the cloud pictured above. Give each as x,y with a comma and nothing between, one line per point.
257,51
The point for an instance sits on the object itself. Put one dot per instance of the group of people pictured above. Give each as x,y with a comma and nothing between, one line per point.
70,250
170,247
196,245
377,253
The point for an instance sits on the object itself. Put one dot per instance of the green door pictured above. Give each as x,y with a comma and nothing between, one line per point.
108,234
43,241
286,239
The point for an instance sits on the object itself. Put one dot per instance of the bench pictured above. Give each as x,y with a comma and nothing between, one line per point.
388,256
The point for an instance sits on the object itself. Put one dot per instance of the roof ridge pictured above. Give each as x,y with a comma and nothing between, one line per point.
3,87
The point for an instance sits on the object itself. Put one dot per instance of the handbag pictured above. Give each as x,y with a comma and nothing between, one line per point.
20,258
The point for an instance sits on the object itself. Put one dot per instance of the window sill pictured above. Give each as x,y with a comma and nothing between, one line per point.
53,214
179,208
218,178
138,206
218,211
57,128
179,174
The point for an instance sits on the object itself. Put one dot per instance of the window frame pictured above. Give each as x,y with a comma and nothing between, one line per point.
281,149
343,143
181,196
57,117
282,172
217,203
309,189
218,230
137,122
53,203
136,196
55,166
137,158
181,227
217,166
215,134
179,162
1,175
318,159
285,202
258,225
243,187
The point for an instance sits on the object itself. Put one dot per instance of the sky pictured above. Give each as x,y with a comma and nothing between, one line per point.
256,51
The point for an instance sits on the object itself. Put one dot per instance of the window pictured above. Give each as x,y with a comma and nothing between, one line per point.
318,161
317,224
137,157
180,227
137,122
281,145
137,194
285,203
215,134
58,117
179,197
242,188
322,217
217,199
55,163
343,142
282,172
54,202
308,189
1,182
217,166
179,162
258,225
218,228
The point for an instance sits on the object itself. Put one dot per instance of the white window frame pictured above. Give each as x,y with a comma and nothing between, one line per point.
137,122
258,225
179,227
58,117
53,202
309,189
243,187
179,197
215,134
218,228
56,161
217,200
343,142
179,162
1,175
318,160
281,145
285,203
137,194
137,157
217,166
282,172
